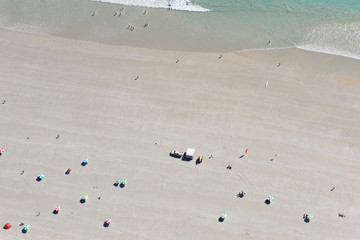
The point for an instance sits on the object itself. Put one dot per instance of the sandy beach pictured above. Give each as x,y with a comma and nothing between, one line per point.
66,100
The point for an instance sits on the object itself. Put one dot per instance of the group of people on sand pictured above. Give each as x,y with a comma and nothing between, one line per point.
129,27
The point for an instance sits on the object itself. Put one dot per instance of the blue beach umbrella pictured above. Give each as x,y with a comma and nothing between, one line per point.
86,161
270,198
41,176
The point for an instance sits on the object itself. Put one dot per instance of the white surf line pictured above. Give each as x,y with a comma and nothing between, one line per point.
182,5
264,49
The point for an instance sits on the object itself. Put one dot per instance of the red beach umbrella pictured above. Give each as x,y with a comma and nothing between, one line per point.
2,150
108,221
7,226
57,209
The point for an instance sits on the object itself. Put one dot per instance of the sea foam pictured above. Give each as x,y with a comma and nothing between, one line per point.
183,5
337,39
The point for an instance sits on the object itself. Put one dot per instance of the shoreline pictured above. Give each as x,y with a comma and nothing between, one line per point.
123,25
69,99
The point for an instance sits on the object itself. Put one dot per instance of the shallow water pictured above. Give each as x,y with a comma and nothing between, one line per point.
329,26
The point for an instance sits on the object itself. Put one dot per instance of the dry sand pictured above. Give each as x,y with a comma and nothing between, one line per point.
86,93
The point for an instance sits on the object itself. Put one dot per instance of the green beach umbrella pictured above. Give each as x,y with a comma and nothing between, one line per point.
124,182
309,217
85,197
223,216
26,228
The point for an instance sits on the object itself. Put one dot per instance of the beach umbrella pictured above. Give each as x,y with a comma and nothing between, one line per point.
270,198
57,209
246,150
68,171
26,228
86,161
108,221
124,182
243,192
85,197
2,150
309,217
118,182
223,216
7,226
41,176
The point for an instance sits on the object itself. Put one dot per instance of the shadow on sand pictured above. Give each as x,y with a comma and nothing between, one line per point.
185,159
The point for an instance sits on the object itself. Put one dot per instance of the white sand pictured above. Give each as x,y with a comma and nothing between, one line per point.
86,93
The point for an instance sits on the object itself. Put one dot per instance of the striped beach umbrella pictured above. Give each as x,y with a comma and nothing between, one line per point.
243,192
26,228
223,216
108,221
85,197
246,150
41,176
57,209
270,198
124,182
2,150
118,182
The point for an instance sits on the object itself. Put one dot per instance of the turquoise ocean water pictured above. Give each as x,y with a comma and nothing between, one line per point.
328,26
